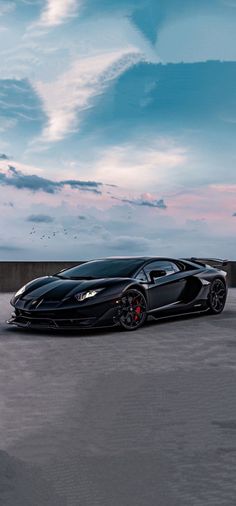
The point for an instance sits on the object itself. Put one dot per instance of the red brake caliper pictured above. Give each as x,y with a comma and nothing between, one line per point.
137,311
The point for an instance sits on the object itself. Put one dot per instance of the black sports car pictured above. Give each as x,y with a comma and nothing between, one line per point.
120,291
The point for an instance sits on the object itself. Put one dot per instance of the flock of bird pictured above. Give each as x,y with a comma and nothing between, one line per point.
65,232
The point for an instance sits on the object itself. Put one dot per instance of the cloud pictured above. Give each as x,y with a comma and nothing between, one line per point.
57,12
74,90
82,185
143,164
118,117
146,200
40,218
19,180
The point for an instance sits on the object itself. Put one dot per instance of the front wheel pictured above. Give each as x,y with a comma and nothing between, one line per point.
217,296
132,312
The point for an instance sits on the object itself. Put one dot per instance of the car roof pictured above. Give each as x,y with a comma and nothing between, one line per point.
141,258
134,257
146,259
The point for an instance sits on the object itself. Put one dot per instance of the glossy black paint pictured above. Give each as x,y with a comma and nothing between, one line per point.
170,286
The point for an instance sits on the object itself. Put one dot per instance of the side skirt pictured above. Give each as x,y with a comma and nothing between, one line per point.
178,315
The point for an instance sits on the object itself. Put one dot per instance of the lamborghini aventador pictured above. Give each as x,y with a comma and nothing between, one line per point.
121,291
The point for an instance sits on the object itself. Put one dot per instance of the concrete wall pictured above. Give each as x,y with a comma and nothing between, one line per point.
232,274
231,271
13,275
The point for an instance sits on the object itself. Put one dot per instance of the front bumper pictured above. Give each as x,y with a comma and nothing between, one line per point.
51,323
64,321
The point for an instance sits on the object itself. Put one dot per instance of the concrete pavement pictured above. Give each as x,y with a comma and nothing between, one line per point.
120,419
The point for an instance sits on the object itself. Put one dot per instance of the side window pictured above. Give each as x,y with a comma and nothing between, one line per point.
159,265
141,276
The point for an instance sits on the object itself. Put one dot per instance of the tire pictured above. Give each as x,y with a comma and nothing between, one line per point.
132,311
217,296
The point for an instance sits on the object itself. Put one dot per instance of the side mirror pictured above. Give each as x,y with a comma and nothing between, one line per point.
157,274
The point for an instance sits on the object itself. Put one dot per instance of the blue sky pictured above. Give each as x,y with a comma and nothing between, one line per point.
117,128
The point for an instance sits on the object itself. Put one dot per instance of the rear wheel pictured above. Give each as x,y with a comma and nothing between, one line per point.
132,311
217,296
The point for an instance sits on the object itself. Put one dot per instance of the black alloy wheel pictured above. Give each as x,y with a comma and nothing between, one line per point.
217,296
132,310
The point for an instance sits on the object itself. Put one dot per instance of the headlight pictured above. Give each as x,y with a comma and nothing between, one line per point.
87,295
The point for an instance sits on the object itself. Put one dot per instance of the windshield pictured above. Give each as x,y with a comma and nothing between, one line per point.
110,268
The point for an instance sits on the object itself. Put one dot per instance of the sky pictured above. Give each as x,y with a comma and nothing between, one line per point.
117,128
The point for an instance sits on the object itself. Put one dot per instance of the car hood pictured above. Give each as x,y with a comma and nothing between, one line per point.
52,288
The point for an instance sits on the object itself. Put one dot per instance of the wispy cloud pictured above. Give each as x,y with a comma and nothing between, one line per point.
65,99
57,12
145,164
145,200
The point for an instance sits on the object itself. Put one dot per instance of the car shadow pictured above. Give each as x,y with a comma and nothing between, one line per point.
57,333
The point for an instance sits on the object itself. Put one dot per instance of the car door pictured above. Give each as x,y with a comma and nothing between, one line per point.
166,289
